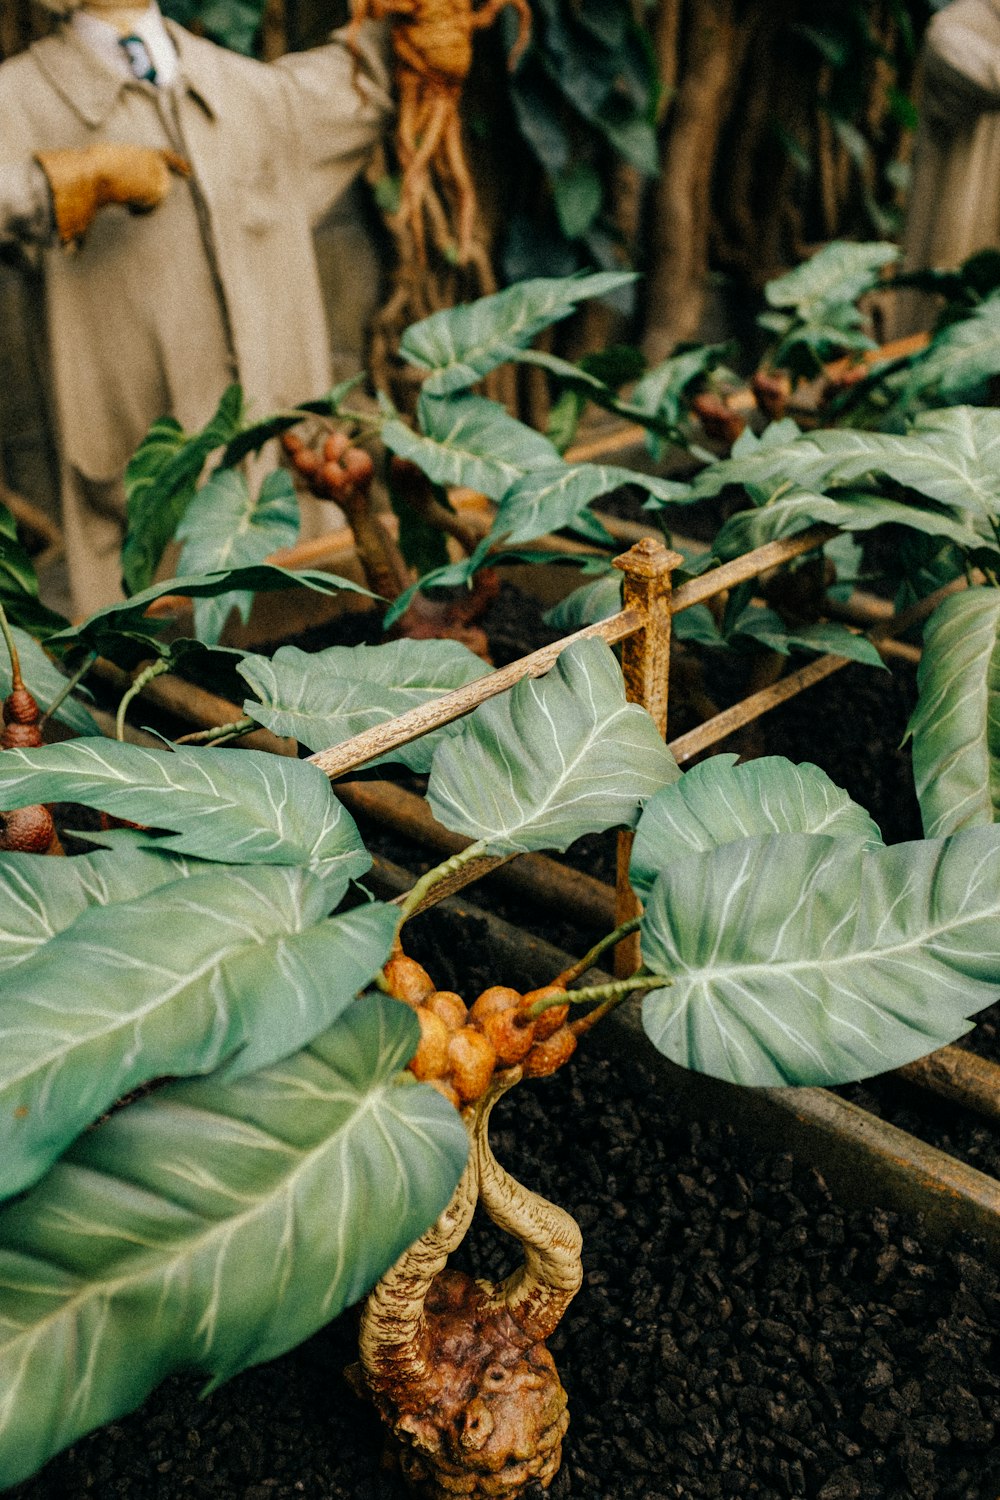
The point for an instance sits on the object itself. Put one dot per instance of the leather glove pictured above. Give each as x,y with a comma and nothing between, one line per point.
84,180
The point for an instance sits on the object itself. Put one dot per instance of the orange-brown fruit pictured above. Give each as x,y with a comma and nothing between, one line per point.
20,721
472,1060
450,1007
431,1057
29,830
360,466
497,997
292,443
771,389
545,1057
307,462
550,1020
333,480
718,419
335,446
511,1033
407,980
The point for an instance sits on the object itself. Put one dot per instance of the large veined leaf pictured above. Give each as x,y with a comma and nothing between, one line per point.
660,392
472,442
952,456
39,897
462,344
805,959
234,965
956,723
125,633
835,275
959,362
548,499
323,698
160,483
796,512
556,757
718,802
238,806
226,527
213,1226
768,468
46,682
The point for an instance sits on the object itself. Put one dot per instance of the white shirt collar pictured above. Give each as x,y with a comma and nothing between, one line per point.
102,38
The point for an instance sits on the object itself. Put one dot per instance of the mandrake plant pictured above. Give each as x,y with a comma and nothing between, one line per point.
231,1106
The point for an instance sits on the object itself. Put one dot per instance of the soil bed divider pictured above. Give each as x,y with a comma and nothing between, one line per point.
831,1130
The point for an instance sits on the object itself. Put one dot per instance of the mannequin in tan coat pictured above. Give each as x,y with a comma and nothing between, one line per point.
954,207
153,313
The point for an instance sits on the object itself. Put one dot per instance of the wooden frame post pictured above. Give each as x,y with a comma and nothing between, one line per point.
648,584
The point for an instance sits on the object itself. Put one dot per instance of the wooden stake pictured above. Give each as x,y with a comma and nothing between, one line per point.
648,585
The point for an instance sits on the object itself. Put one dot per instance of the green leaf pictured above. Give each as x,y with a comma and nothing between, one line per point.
160,483
236,965
556,757
588,604
19,585
804,959
952,456
39,897
838,273
462,344
766,627
549,499
960,361
956,723
718,802
125,634
797,512
133,1257
46,682
577,193
323,698
226,528
472,442
661,390
237,806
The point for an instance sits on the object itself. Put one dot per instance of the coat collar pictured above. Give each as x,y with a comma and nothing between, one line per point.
92,89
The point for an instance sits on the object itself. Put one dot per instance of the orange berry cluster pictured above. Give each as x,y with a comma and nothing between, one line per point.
462,1046
26,830
337,471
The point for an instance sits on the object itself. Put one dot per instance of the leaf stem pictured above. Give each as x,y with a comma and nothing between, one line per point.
155,669
69,685
233,731
17,681
434,877
593,954
611,993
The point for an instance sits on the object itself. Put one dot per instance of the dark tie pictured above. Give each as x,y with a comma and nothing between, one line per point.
138,56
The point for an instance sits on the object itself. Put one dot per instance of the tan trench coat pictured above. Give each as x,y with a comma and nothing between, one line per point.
954,207
156,314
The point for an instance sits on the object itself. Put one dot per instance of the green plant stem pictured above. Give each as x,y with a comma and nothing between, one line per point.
614,991
17,680
434,877
593,954
233,731
70,684
155,669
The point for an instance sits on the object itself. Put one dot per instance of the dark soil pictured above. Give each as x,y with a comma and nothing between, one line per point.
739,1332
